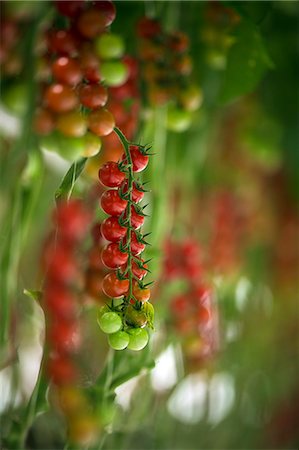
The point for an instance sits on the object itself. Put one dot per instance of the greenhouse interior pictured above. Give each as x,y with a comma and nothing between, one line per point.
149,193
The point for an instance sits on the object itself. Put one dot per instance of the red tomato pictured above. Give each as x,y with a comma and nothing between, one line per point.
69,8
136,219
72,219
148,28
91,23
62,42
67,70
139,160
141,294
101,122
64,336
61,370
59,301
112,204
112,257
113,287
136,246
89,64
61,267
110,175
60,98
93,95
137,194
112,230
107,9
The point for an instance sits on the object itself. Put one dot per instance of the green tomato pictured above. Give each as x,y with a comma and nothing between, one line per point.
178,119
110,322
49,143
14,98
135,317
93,145
119,340
138,338
109,46
70,148
114,73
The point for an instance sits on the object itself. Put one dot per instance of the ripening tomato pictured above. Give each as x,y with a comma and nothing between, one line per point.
141,294
43,123
107,9
183,65
135,317
179,42
113,257
84,429
137,192
93,145
93,95
67,70
112,204
137,247
91,23
139,159
63,42
60,98
72,124
90,66
101,122
113,287
112,230
69,8
61,370
110,175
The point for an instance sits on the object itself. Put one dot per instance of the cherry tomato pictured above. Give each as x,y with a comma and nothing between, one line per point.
148,28
179,42
114,73
61,266
112,230
84,429
110,322
60,98
141,294
59,301
89,64
109,46
91,23
113,287
64,336
67,70
69,8
138,338
119,340
72,218
43,123
203,315
93,95
139,160
71,399
137,194
110,175
61,370
136,246
112,204
72,124
101,122
139,268
135,317
62,42
107,9
93,145
112,257
136,219
183,65
93,283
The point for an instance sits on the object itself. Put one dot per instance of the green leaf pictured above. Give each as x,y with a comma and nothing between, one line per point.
247,62
68,182
35,295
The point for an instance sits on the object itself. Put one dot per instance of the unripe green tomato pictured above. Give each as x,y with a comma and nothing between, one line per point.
118,340
110,322
178,119
107,413
103,309
49,143
114,73
70,148
109,46
93,145
135,318
14,98
138,338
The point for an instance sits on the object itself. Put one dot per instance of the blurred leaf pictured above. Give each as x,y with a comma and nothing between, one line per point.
247,62
253,11
35,295
68,182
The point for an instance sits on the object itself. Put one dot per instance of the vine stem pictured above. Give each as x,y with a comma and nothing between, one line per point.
129,166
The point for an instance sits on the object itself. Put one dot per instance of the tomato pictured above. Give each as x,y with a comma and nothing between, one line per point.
93,95
60,98
64,336
118,340
141,294
113,257
183,65
112,230
61,370
139,160
93,145
135,317
137,193
69,8
91,23
148,28
63,42
113,287
71,399
59,301
67,70
110,175
136,246
112,204
84,429
90,66
93,284
138,338
136,219
139,268
101,122
72,218
132,65
109,46
178,119
107,9
180,305
72,124
94,259
158,95
61,267
70,147
110,322
179,42
43,122
114,73
204,315
15,97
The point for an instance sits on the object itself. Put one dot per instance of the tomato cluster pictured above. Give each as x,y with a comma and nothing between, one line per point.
83,61
167,69
124,320
193,311
61,305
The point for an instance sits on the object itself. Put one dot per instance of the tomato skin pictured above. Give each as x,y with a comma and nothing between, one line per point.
67,70
112,230
90,67
43,122
119,340
148,28
69,8
137,194
72,124
63,336
60,302
112,204
93,95
101,122
62,42
61,370
109,46
138,338
107,9
135,318
91,23
141,294
136,247
110,175
72,219
60,98
139,272
179,42
139,160
61,267
112,257
113,287
136,219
